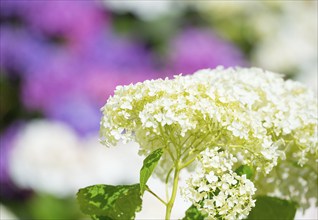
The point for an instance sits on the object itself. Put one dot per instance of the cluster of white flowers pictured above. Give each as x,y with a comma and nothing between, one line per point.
291,181
216,190
249,112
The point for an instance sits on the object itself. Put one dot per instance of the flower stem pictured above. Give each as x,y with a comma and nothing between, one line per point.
167,183
174,193
155,195
187,163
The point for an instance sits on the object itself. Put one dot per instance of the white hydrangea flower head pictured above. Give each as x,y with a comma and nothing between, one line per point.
251,113
216,190
292,180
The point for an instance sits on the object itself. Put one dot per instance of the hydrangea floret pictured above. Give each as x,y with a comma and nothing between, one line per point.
219,120
216,190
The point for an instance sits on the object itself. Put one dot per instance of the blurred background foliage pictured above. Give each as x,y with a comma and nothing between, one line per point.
60,60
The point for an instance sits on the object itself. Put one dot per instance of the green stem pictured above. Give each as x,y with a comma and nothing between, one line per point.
167,183
187,163
174,192
161,200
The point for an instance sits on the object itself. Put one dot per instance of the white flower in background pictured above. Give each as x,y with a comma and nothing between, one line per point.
309,76
225,8
49,157
6,214
216,190
291,46
145,9
259,16
283,34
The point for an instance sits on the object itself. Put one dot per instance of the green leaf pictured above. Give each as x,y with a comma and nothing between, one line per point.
193,213
244,169
95,217
148,166
272,208
110,202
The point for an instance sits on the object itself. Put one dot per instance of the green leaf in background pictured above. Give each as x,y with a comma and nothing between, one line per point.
148,166
268,208
95,217
39,206
244,169
45,206
106,202
193,213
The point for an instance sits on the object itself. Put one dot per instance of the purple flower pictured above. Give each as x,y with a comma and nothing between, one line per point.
47,84
10,8
77,102
6,140
195,49
100,82
78,112
81,81
116,52
77,21
22,52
